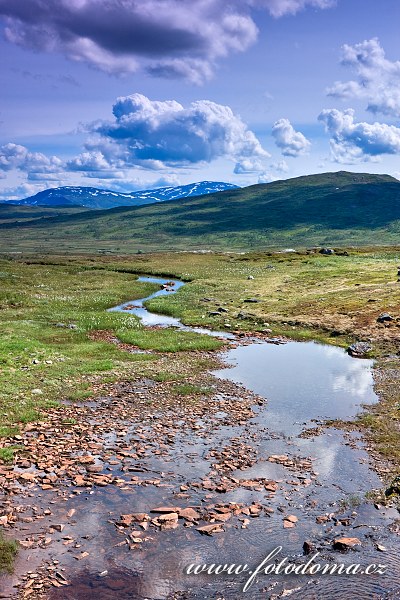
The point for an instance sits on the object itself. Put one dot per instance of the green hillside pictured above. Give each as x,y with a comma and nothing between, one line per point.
327,209
10,213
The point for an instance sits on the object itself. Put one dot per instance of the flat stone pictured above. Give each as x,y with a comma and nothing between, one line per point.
345,542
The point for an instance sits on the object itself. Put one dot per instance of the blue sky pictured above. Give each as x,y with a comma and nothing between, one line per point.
126,94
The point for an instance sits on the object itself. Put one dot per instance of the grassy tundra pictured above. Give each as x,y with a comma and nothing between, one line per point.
57,338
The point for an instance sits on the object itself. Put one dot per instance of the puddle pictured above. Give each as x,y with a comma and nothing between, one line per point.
302,381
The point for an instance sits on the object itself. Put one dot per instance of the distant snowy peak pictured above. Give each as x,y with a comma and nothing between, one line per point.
102,199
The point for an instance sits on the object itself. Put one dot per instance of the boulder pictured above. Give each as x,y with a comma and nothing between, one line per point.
359,349
327,251
243,315
394,487
384,317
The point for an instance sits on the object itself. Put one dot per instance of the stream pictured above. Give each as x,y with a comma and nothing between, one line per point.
319,475
304,383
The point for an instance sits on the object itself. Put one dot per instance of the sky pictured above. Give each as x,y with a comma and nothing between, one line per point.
137,94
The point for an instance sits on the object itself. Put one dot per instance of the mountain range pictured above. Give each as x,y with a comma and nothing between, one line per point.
94,198
328,209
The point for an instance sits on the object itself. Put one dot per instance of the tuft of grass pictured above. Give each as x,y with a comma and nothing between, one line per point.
6,431
189,389
7,454
168,340
165,376
68,421
8,552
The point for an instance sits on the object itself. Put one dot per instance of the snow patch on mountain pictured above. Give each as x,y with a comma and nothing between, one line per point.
102,199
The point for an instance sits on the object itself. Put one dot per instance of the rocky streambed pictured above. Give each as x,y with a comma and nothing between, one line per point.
115,497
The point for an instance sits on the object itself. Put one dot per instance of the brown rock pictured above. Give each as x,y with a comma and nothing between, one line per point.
345,543
308,547
189,514
173,516
210,529
166,509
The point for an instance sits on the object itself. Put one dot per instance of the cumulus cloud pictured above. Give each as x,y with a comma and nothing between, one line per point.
291,142
248,165
281,166
38,166
173,38
352,141
147,135
155,134
133,184
88,161
377,78
278,170
267,177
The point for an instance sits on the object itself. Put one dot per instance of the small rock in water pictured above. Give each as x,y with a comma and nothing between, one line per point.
345,543
308,547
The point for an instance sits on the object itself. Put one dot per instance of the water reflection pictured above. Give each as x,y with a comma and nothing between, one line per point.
302,381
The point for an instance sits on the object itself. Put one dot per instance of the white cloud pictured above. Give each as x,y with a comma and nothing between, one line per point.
281,166
378,79
88,161
267,177
291,142
37,165
147,135
133,184
352,141
24,190
249,165
155,134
